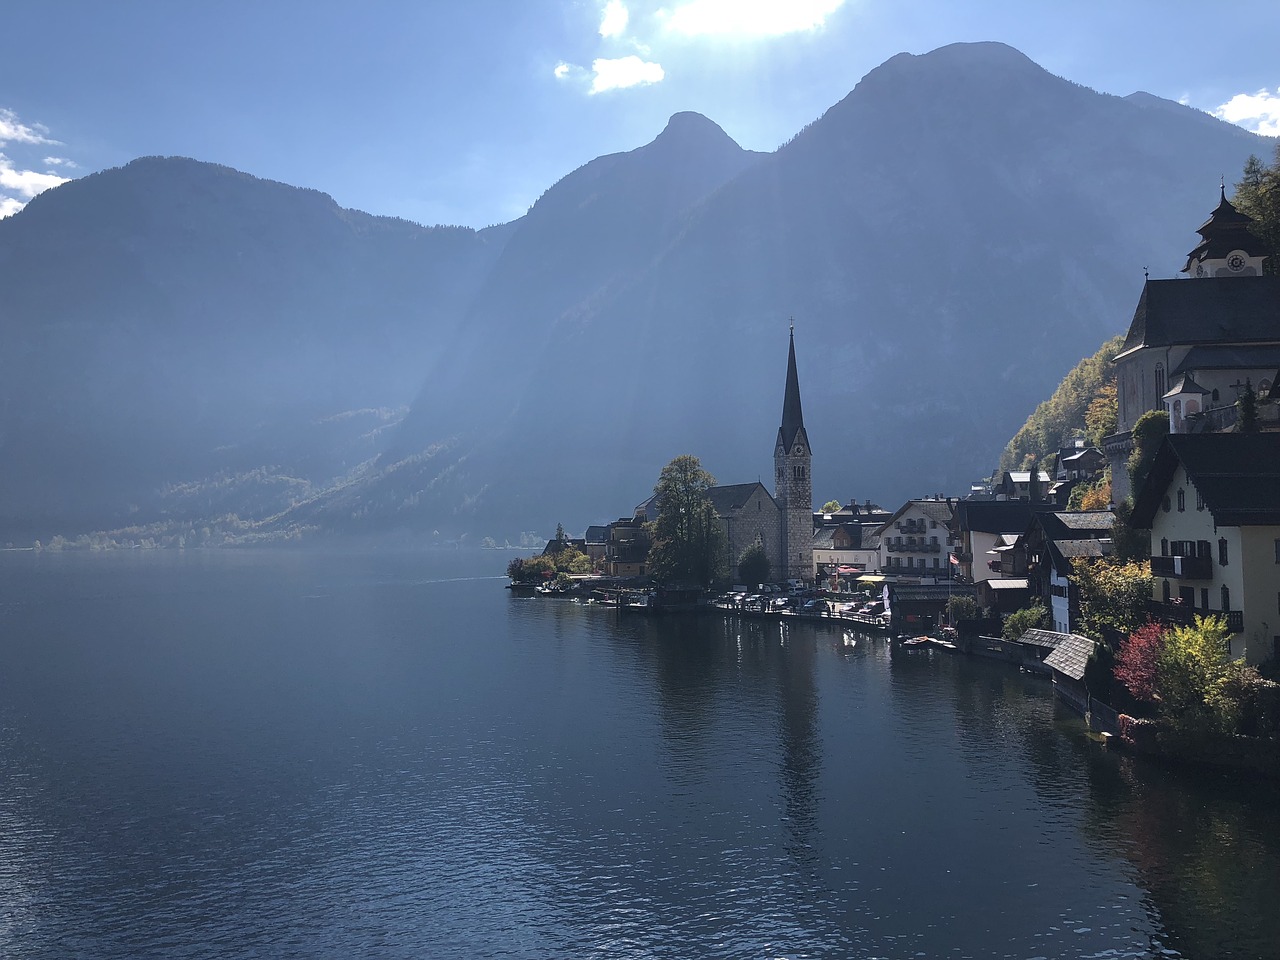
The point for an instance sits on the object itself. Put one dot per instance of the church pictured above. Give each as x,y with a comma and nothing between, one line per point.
1195,344
781,522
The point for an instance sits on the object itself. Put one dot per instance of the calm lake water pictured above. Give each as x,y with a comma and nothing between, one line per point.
272,754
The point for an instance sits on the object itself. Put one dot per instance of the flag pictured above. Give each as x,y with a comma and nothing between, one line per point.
952,560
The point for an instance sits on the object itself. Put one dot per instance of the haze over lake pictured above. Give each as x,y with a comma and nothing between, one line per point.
384,755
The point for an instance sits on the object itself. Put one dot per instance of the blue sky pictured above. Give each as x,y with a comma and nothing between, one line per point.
464,112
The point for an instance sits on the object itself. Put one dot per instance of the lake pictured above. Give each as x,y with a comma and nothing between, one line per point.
318,754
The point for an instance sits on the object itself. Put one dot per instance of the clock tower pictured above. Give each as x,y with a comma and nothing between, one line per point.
793,484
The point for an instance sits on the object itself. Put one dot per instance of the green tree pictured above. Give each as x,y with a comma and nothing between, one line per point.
1102,414
832,506
962,607
753,565
1258,195
1191,669
1113,597
688,540
1152,427
1128,544
1247,409
1034,617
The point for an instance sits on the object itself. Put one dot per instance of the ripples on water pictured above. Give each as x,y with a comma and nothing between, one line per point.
288,755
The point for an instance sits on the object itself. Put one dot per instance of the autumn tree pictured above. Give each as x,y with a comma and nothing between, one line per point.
1113,597
1136,661
688,539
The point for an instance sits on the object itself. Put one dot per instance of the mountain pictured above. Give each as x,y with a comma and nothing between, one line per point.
950,238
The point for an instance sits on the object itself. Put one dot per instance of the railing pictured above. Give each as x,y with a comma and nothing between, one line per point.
1184,568
1184,614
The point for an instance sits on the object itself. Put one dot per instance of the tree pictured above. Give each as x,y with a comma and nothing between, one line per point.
1130,545
1247,409
753,565
832,506
1102,415
1258,195
962,607
1152,427
688,539
1190,669
1113,597
1136,661
1034,617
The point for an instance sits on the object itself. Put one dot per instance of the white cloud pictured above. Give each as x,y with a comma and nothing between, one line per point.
563,70
614,21
624,72
747,18
1259,112
25,183
17,184
14,131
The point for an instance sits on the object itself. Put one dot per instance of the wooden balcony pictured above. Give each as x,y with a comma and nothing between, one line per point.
1183,568
1184,614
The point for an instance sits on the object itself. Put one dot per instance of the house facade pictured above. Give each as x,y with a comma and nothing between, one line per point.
1212,504
917,541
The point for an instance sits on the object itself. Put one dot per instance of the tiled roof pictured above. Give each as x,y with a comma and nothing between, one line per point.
1070,655
1230,357
1042,638
1208,311
1236,474
1086,520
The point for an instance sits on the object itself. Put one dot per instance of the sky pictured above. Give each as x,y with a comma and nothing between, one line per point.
465,112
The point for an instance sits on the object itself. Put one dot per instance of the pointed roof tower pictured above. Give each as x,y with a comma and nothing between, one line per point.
1227,246
792,431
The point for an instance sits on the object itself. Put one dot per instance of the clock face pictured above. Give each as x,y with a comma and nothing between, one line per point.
1235,263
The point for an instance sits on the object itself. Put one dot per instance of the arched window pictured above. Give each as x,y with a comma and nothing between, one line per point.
1159,380
1215,394
1226,599
1222,555
1164,546
1182,501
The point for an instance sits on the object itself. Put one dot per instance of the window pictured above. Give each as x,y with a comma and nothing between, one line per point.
1222,555
1159,380
1182,501
1226,599
1164,590
933,524
1164,546
1215,394
1199,501
1204,598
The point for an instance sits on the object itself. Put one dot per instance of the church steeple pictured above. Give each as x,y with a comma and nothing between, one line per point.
793,483
792,429
1227,247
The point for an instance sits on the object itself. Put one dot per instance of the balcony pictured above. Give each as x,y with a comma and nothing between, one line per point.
1185,614
1183,568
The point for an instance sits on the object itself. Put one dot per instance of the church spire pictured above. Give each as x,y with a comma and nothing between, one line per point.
792,414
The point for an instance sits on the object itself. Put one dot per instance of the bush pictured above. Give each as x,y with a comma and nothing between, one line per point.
1034,617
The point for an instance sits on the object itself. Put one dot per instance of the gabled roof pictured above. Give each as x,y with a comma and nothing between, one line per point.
1236,474
732,497
1070,655
940,510
1080,520
1211,311
993,516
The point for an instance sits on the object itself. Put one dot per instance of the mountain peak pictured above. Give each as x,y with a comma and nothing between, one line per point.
688,127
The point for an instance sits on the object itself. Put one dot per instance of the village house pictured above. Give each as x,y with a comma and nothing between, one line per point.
1212,504
917,540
